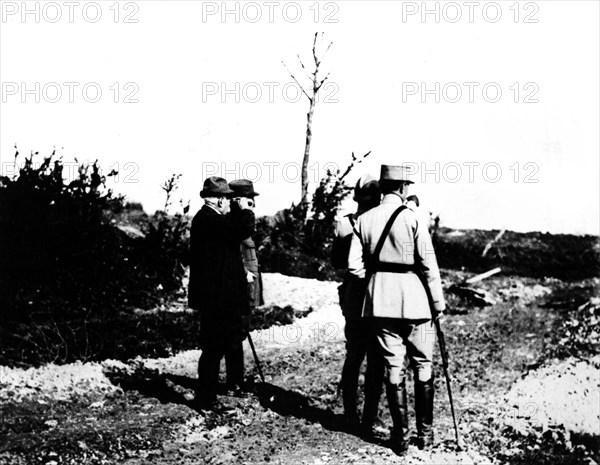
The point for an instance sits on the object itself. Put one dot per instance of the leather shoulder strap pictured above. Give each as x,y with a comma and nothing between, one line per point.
385,233
353,224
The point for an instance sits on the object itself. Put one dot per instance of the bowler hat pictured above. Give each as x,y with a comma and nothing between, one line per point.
396,173
215,187
243,188
366,189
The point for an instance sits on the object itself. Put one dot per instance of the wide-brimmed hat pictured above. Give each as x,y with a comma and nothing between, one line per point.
215,187
243,188
367,189
396,173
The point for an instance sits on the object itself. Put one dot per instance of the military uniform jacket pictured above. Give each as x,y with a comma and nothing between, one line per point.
352,290
390,294
218,285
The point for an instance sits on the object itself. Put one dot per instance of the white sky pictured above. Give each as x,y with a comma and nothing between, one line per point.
173,56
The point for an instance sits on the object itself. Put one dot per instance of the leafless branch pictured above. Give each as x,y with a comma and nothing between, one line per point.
303,67
321,83
492,242
314,52
356,161
326,50
297,82
300,60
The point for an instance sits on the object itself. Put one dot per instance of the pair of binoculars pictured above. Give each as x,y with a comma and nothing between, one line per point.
239,199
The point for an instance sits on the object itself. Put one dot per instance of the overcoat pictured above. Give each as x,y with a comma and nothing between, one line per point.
392,294
218,285
250,259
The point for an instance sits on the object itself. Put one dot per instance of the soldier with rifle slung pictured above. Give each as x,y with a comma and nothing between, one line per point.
393,250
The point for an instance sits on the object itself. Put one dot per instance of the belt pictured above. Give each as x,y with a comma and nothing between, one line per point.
392,268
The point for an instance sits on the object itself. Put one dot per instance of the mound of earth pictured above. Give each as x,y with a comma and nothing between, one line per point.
565,393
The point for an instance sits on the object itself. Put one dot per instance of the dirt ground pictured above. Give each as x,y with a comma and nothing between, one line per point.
516,404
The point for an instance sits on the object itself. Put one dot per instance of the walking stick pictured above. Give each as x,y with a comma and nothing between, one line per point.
260,373
444,353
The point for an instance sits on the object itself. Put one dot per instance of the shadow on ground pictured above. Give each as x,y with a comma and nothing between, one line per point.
168,388
151,383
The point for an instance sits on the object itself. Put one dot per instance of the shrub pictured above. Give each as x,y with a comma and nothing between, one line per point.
55,235
74,255
167,242
290,245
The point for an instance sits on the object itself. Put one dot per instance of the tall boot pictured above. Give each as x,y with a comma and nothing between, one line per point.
355,354
370,410
396,394
349,385
424,413
373,387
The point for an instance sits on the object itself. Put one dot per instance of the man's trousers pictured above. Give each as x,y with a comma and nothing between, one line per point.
400,337
219,339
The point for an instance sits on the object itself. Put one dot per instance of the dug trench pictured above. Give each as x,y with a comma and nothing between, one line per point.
516,368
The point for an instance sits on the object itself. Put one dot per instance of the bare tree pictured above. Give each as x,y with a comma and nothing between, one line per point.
315,85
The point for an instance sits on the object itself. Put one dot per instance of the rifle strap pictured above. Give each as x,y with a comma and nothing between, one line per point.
353,224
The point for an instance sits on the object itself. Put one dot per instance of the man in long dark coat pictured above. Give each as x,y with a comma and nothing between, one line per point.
218,285
245,188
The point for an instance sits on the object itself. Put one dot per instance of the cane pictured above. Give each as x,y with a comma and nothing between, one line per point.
260,373
444,353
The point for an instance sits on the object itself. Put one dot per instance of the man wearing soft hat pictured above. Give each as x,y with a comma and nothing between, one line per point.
217,287
359,333
393,250
244,188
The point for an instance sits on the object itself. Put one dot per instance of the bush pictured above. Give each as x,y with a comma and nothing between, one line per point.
72,256
287,244
283,247
55,237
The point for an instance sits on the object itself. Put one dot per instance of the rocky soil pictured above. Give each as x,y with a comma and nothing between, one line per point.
515,403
